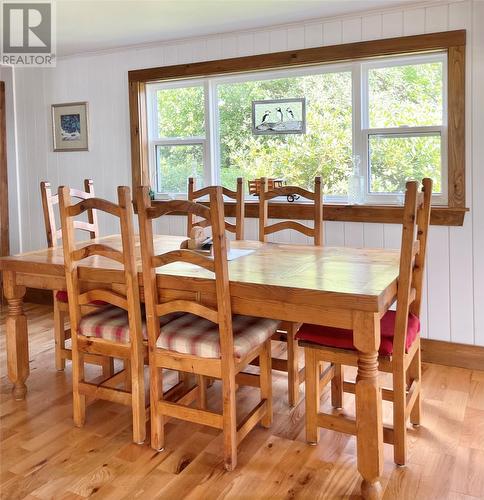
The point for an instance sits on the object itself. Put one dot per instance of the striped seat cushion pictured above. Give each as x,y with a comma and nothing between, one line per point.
190,334
111,323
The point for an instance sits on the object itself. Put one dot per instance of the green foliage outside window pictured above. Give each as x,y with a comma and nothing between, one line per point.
399,96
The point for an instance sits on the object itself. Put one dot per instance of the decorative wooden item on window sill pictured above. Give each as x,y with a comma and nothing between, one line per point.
254,187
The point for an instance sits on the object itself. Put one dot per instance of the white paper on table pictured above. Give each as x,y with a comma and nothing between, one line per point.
235,253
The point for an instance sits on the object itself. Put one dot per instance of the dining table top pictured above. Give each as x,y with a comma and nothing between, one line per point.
335,274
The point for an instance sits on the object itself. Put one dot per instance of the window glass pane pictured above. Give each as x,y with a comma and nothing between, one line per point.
409,95
325,149
181,112
175,164
393,160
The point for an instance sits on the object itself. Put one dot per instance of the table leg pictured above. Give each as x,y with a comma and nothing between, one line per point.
366,338
17,338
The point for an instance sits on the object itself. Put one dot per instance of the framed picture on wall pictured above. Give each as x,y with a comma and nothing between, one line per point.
70,127
279,116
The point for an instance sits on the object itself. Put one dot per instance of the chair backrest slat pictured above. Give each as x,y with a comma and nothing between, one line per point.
289,224
216,264
98,249
316,196
93,203
416,220
50,200
113,298
75,254
182,255
189,307
238,195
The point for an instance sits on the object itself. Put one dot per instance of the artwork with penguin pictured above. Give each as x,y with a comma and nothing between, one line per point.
279,116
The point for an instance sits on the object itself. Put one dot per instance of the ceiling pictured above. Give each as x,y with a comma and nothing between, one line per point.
87,25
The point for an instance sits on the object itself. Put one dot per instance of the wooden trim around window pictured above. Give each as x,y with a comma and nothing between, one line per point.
453,42
303,57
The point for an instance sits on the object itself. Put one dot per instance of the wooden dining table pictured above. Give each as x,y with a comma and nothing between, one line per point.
332,286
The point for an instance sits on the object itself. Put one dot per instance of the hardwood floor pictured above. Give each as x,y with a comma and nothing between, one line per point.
44,456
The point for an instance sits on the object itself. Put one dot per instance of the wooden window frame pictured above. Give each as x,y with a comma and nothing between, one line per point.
452,42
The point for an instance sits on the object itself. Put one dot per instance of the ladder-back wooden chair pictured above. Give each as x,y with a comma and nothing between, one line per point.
207,340
399,347
237,195
288,330
54,237
115,330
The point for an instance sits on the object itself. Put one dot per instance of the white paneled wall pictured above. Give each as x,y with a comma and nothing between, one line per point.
453,308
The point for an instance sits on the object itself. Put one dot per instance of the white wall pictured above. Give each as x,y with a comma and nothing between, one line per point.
453,309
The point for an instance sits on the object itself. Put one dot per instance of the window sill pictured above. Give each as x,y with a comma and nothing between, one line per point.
388,214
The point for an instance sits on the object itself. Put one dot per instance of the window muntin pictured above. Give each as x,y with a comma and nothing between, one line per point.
230,150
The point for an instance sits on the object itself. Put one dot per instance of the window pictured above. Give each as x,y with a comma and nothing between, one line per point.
407,120
389,112
178,138
403,133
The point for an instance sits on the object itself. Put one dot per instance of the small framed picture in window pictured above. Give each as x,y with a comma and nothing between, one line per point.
279,116
70,128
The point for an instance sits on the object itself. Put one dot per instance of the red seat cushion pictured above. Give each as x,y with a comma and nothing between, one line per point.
343,339
61,296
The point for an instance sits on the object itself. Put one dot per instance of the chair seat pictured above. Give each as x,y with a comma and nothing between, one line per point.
341,338
61,296
191,334
112,323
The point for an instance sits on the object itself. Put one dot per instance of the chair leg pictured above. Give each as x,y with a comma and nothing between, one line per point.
265,360
337,387
78,399
415,373
138,398
292,366
399,422
312,395
229,420
157,420
107,365
186,378
129,376
202,387
59,337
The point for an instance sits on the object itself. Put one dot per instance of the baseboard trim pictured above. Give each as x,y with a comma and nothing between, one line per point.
453,354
